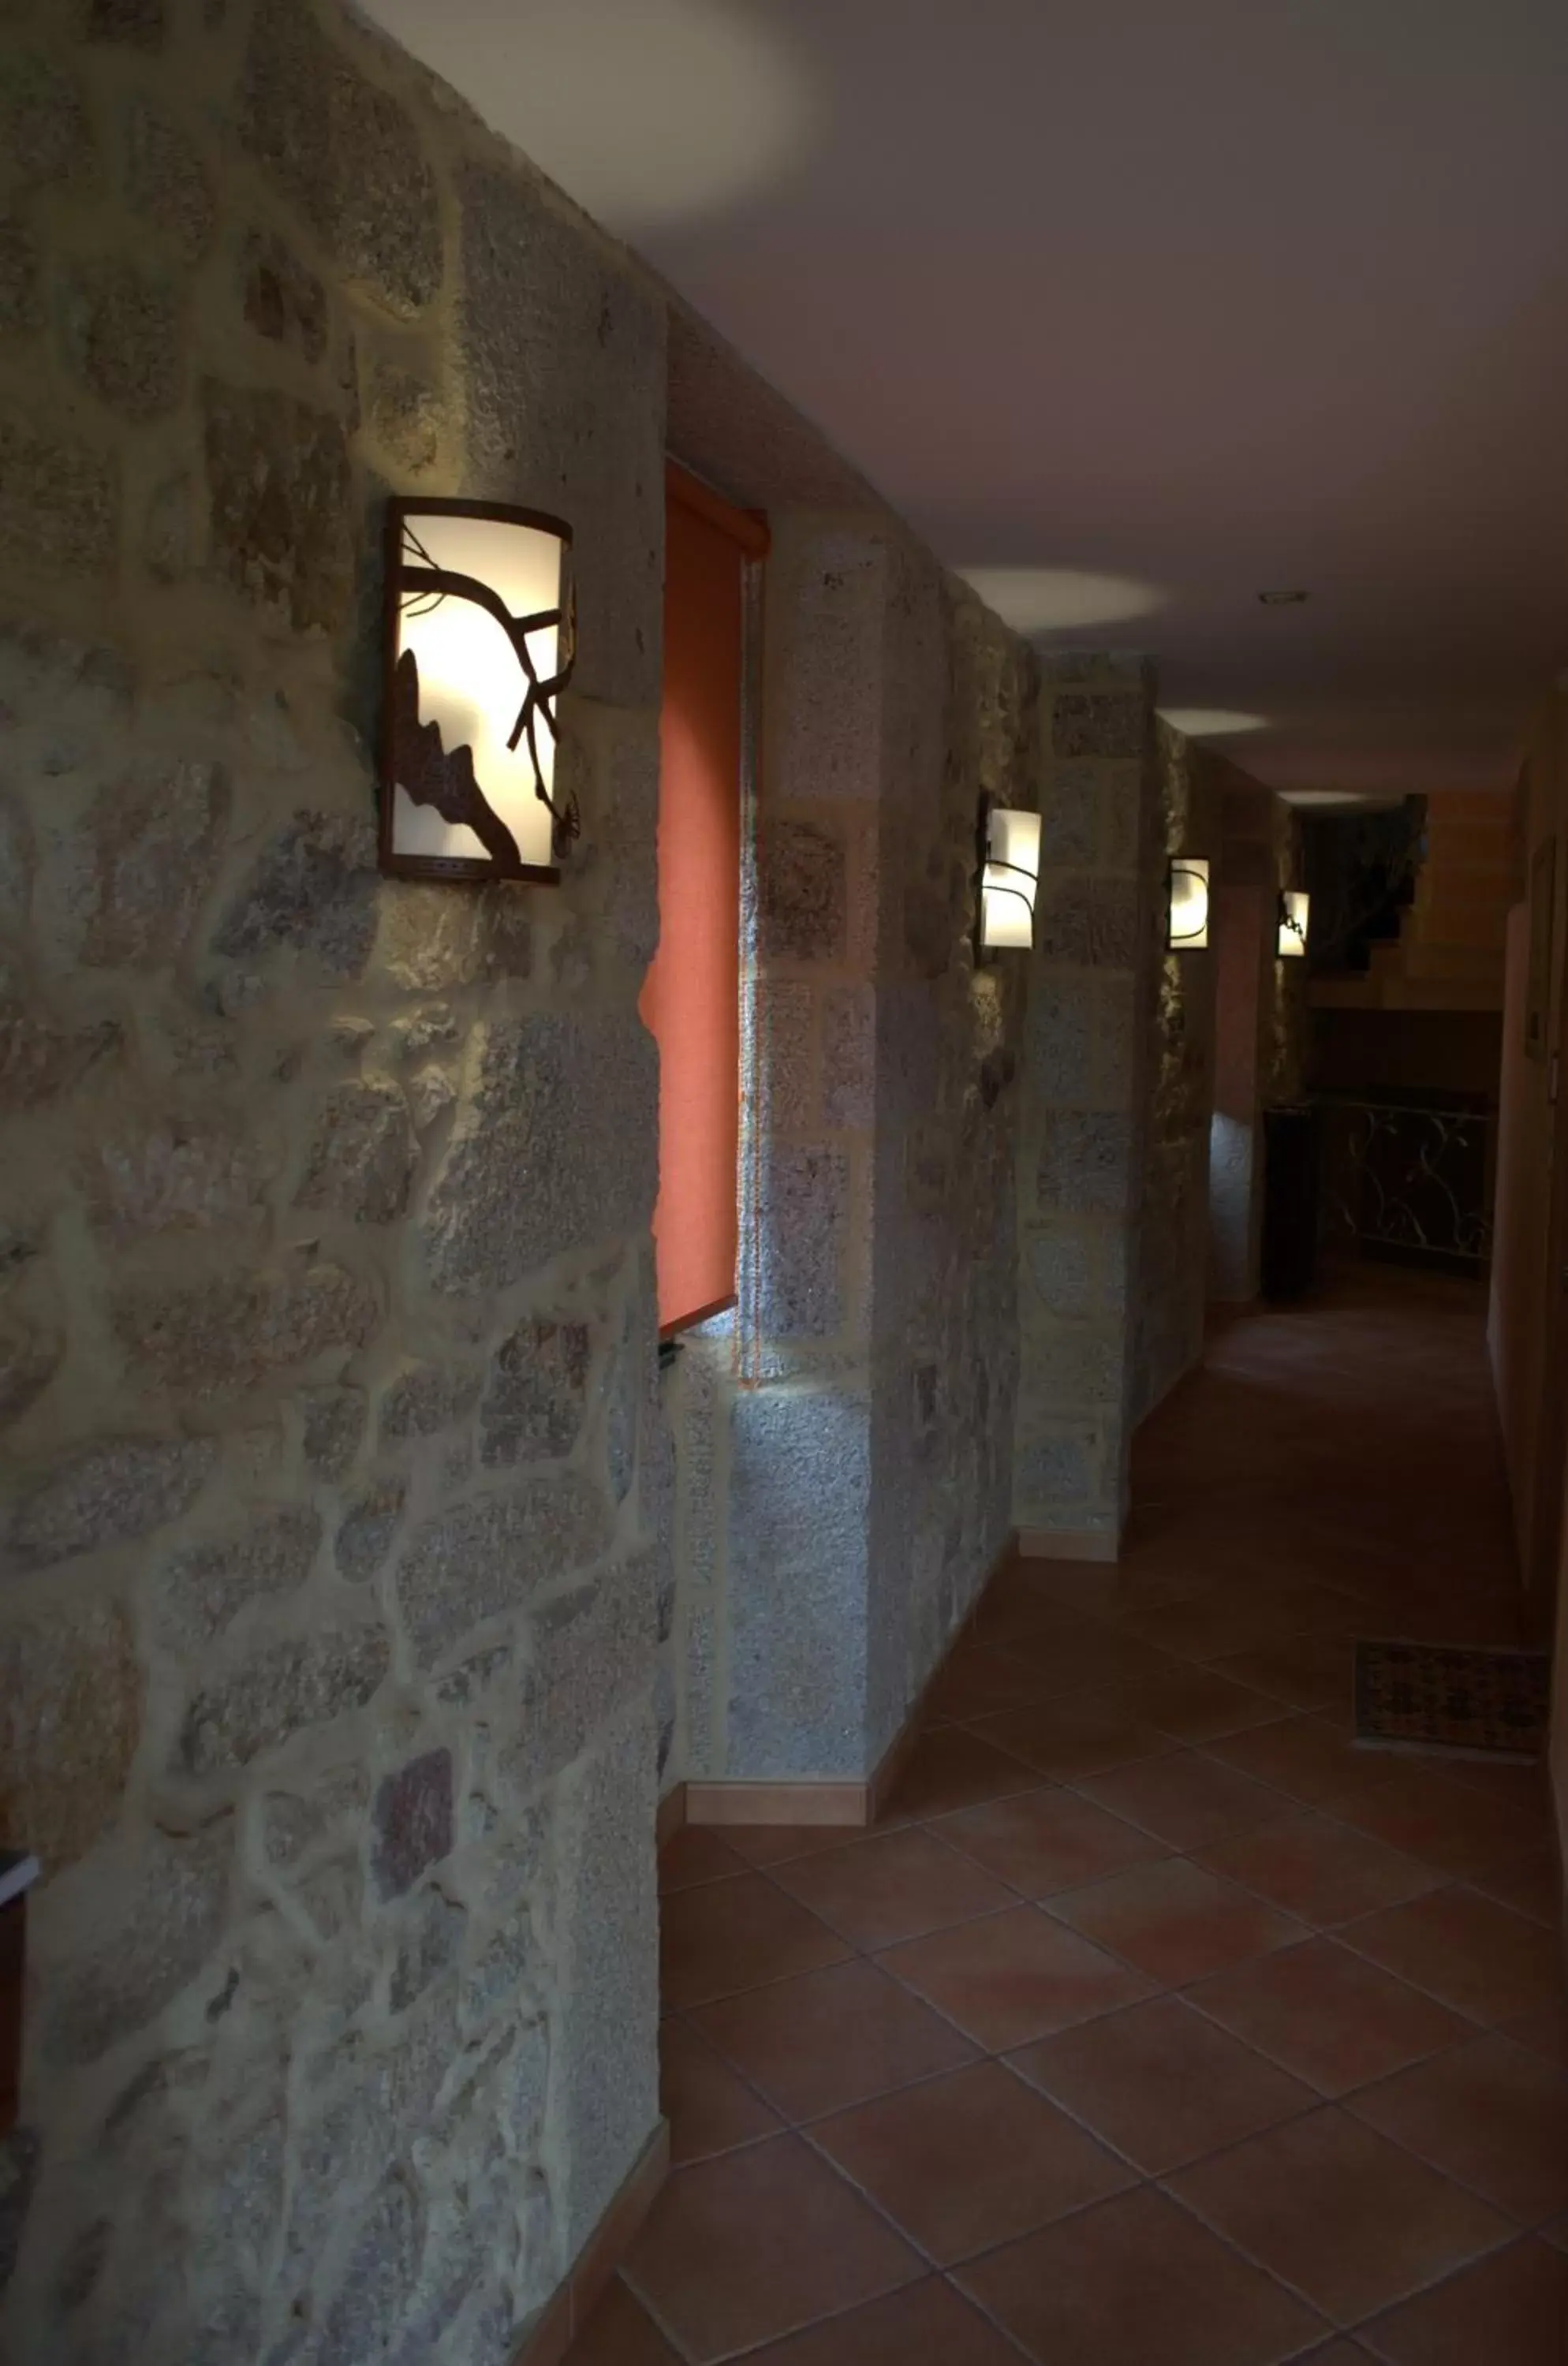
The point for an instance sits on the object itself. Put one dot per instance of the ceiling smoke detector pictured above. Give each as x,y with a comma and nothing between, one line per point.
1282,598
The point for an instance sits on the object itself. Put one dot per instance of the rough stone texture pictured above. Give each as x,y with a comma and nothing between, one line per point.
547,1153
122,328
405,417
799,1513
140,23
167,182
427,1398
363,1158
312,890
206,1586
221,1337
536,1398
150,852
333,1422
20,308
412,1822
493,1555
1173,1216
70,1720
364,1537
59,503
163,1941
279,489
346,153
45,130
605,2034
1092,1184
282,299
104,1496
800,867
279,1690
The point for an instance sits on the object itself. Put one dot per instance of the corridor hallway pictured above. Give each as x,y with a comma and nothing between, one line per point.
1158,2025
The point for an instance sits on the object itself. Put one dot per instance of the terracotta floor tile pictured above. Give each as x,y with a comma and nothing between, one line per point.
927,2323
894,1886
1329,2016
965,2163
771,1844
621,2333
1162,2084
1176,1921
708,2108
830,2038
1343,2215
1531,1883
742,2250
1307,1670
695,1854
1014,1977
977,1682
1211,1626
1064,1738
1195,1704
1095,1656
1136,2282
1428,1815
1321,1871
1309,1757
1557,2232
735,1935
1049,1840
953,1766
1508,2310
1480,1957
1544,2030
1186,1799
1491,2114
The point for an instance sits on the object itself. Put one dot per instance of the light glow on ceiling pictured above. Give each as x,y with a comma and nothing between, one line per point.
1211,722
647,112
1060,599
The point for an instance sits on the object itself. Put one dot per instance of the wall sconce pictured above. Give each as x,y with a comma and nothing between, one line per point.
1294,906
1188,930
480,642
1010,874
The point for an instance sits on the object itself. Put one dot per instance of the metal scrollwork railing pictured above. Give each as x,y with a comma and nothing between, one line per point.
1410,1181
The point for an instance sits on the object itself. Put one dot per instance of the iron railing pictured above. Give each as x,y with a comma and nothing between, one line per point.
1408,1182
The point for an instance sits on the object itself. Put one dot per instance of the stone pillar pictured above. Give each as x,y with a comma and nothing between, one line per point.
1255,1060
843,1440
1083,1126
1173,1227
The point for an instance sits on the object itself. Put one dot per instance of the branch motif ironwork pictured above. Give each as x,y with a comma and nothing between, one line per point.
445,778
1413,1179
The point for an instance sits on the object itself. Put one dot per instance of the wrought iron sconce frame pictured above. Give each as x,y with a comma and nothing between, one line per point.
1192,869
412,754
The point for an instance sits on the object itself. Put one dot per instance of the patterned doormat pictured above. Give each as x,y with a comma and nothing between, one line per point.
1485,1704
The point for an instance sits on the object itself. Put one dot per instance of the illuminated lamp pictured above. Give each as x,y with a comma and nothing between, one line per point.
1294,906
1010,874
1187,924
480,617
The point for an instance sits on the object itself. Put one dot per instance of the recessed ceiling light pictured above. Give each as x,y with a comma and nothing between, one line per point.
1283,599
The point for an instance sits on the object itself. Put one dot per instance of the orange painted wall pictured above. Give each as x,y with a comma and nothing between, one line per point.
691,997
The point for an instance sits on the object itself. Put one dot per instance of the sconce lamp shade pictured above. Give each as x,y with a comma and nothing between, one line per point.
1189,927
1008,878
480,643
1293,908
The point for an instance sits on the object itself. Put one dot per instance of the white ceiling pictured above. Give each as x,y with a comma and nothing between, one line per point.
1191,299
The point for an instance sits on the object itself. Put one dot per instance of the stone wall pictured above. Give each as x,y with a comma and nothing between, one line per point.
843,1440
1173,1225
1085,1094
334,1554
1261,1016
